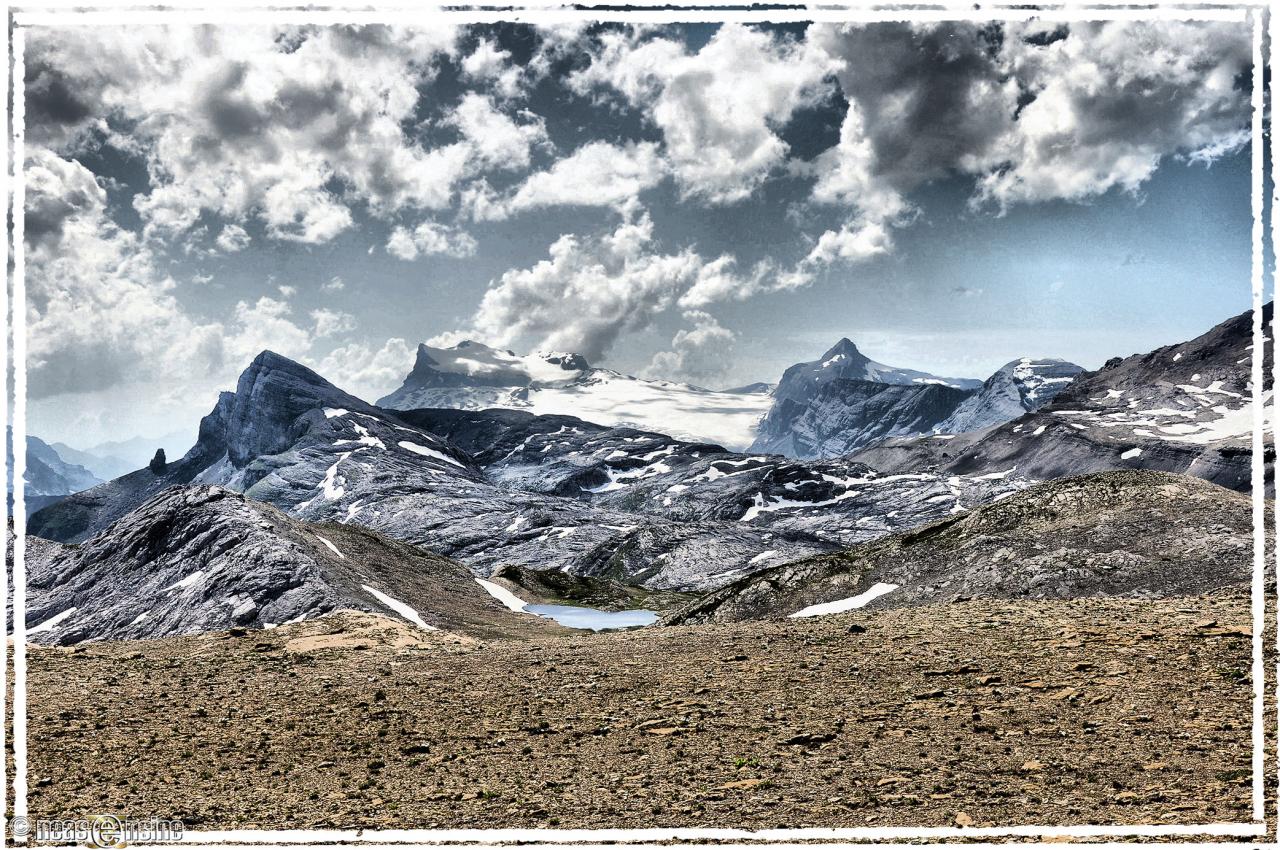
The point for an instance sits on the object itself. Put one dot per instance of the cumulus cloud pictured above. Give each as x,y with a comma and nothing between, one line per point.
1110,100
332,322
233,238
430,238
493,137
368,373
294,126
589,292
1032,114
489,63
719,280
596,174
719,109
104,315
586,293
701,354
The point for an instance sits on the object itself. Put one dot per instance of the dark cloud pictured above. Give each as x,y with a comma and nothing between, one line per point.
930,97
56,107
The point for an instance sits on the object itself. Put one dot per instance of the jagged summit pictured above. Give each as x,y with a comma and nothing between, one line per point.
272,393
844,347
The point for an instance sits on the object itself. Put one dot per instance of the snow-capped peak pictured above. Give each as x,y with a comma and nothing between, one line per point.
474,376
474,363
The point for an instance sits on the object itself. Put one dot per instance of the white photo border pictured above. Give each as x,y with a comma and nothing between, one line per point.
1264,21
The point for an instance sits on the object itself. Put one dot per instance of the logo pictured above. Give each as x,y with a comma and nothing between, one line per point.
99,831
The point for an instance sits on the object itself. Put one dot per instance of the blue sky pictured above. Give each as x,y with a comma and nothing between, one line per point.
706,203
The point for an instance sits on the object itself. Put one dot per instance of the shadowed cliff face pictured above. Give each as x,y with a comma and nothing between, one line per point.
844,402
270,399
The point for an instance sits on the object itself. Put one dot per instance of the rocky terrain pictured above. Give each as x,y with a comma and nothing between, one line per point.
473,376
1136,534
200,558
843,402
1181,408
648,473
1095,711
541,492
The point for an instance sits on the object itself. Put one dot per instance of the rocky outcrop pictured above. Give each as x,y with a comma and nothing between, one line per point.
201,558
1131,534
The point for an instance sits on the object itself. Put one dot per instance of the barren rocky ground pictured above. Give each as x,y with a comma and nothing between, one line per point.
981,712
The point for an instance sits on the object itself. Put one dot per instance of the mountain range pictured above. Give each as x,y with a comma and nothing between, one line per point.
514,492
117,457
1182,408
48,476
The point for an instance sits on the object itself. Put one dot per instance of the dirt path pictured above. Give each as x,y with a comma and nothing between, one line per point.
1090,711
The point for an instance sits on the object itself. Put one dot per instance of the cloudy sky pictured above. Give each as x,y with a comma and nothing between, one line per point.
707,203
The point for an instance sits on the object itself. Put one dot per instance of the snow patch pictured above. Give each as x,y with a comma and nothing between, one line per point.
198,575
506,597
427,452
875,592
326,541
400,608
51,623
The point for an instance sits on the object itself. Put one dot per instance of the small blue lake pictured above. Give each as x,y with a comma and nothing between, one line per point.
590,618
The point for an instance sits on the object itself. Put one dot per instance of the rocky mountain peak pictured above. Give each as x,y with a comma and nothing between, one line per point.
270,397
843,348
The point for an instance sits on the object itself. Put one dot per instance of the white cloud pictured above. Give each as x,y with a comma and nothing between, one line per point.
586,293
596,174
719,108
332,322
1032,113
718,280
365,372
295,127
489,63
590,292
334,284
105,325
492,136
430,238
1111,100
233,238
702,354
